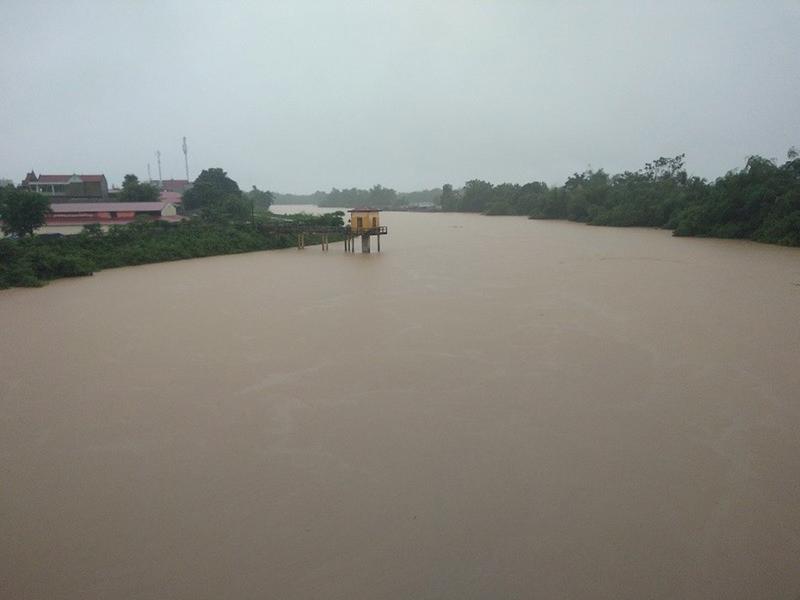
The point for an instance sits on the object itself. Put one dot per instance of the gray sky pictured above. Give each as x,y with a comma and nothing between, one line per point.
298,95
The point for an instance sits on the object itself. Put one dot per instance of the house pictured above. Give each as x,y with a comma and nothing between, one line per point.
364,219
68,188
175,185
70,217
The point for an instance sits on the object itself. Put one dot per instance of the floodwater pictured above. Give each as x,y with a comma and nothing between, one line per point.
490,408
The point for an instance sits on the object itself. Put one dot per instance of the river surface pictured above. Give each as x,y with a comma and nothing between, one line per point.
490,408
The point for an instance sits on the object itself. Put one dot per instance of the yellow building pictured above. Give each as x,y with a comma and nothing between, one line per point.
364,219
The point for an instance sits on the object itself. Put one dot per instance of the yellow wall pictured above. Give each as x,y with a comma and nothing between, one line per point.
367,220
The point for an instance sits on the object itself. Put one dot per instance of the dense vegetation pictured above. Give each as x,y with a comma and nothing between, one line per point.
35,260
760,202
134,190
375,197
21,211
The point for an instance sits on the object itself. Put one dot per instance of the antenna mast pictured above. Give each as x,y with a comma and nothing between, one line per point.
158,157
186,157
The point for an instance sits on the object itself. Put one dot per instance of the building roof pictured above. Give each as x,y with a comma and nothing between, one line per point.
66,178
82,207
365,210
173,197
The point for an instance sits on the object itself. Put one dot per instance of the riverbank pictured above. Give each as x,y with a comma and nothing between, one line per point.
34,261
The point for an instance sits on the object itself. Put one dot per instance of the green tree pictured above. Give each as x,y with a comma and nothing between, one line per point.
449,199
381,196
212,187
229,208
21,212
477,196
135,191
260,199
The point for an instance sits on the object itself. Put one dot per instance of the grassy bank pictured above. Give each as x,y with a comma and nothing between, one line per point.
34,261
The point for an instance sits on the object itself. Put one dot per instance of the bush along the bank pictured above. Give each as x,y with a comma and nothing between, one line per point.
760,202
32,261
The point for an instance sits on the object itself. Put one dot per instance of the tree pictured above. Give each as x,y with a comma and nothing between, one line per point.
212,186
135,191
21,212
381,196
449,199
260,199
477,195
229,208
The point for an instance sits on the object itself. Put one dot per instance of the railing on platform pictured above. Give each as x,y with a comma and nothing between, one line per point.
382,230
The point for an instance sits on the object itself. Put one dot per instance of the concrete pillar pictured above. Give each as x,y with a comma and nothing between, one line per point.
379,242
365,244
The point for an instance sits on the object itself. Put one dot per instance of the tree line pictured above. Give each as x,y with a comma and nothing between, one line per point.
760,201
376,197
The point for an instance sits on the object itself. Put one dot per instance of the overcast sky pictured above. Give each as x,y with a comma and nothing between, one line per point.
296,96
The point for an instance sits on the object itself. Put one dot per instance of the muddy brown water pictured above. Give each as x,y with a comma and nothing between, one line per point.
490,408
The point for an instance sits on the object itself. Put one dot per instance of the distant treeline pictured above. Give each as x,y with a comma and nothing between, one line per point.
376,197
760,202
34,260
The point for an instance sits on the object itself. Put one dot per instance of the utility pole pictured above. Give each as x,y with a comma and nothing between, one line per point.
186,157
158,157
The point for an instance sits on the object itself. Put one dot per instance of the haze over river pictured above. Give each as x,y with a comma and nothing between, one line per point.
490,408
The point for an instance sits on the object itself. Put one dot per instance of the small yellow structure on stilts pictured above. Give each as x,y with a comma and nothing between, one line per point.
364,222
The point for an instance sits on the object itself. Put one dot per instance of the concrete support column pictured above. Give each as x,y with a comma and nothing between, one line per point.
365,244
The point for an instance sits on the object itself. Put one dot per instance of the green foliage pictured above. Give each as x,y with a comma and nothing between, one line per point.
503,199
380,196
759,202
212,188
22,212
228,208
449,200
348,198
135,191
420,197
35,260
260,199
377,197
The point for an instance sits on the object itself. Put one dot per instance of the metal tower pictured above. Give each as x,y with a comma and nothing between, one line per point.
186,157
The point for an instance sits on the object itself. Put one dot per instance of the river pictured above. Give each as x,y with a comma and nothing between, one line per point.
490,408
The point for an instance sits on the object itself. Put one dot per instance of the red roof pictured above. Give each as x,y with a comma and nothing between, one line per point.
86,220
94,207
